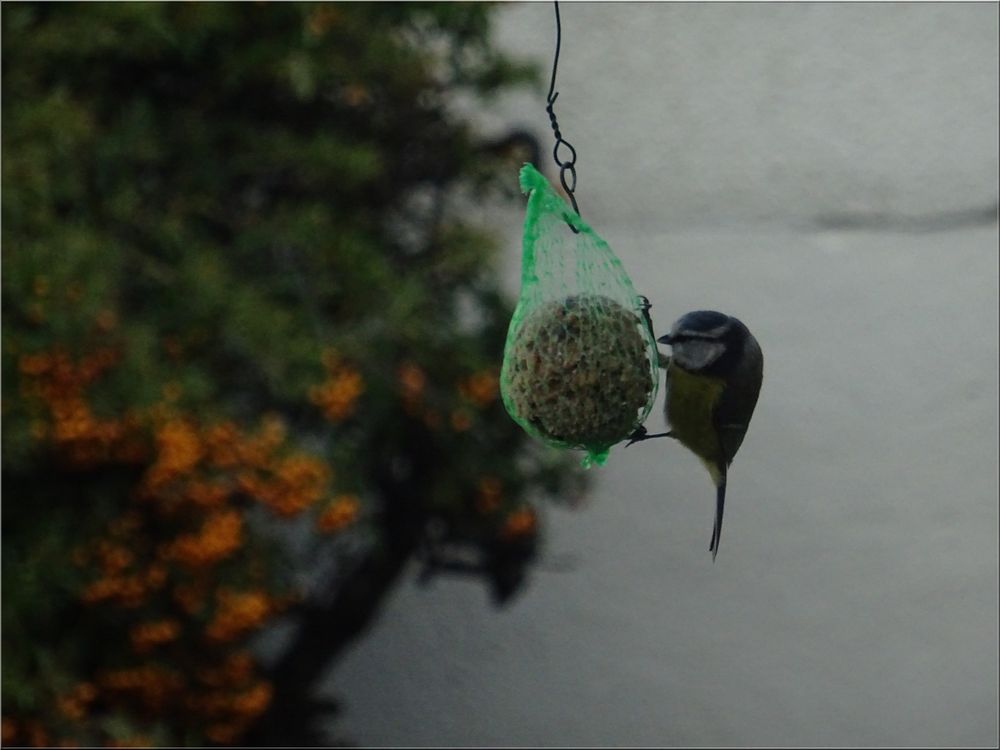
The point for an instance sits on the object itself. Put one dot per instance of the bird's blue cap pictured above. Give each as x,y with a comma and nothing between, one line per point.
701,320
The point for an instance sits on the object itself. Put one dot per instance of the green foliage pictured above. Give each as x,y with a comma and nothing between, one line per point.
231,196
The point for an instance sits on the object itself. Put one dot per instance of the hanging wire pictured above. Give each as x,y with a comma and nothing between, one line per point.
567,167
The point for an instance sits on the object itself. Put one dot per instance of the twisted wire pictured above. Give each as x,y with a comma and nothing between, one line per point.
567,167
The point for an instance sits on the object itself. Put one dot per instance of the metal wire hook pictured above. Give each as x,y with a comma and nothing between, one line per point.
567,167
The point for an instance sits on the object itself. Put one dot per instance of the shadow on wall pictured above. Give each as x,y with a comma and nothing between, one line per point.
931,222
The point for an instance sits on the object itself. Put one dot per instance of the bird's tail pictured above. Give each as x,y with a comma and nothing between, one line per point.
720,505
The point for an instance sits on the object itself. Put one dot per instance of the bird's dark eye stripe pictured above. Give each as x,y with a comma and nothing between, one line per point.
694,337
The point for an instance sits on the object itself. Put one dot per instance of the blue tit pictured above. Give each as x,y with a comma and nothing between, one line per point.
713,379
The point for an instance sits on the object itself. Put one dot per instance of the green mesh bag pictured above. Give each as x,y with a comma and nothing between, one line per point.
580,363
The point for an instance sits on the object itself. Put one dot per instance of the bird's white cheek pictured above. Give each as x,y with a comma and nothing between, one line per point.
696,355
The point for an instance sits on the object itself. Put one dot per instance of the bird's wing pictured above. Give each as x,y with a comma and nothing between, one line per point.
730,439
732,413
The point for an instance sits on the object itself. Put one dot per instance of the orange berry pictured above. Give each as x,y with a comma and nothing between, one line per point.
224,733
106,320
220,536
489,494
150,634
342,512
238,613
9,731
412,379
460,421
520,523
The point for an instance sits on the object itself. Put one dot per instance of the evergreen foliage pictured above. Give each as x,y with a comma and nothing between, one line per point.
244,329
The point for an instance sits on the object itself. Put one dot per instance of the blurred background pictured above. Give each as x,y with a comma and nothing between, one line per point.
258,264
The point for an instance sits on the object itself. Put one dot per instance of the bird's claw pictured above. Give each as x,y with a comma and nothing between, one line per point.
639,434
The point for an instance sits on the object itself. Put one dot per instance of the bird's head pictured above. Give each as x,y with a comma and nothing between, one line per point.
705,342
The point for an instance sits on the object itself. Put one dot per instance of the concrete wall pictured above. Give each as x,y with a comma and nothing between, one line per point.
709,112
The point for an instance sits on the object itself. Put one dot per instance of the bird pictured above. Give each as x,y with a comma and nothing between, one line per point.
713,379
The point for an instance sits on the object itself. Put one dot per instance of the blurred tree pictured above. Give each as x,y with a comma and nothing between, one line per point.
250,354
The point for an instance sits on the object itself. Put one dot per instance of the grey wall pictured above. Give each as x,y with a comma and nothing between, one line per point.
688,112
854,600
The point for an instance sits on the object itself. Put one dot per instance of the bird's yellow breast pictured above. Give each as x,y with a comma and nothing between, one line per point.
691,399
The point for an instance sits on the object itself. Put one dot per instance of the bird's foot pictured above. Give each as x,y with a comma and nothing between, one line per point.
640,434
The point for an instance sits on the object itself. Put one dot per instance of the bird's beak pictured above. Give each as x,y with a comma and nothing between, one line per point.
665,339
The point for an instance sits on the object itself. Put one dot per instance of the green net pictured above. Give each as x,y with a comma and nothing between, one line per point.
580,363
